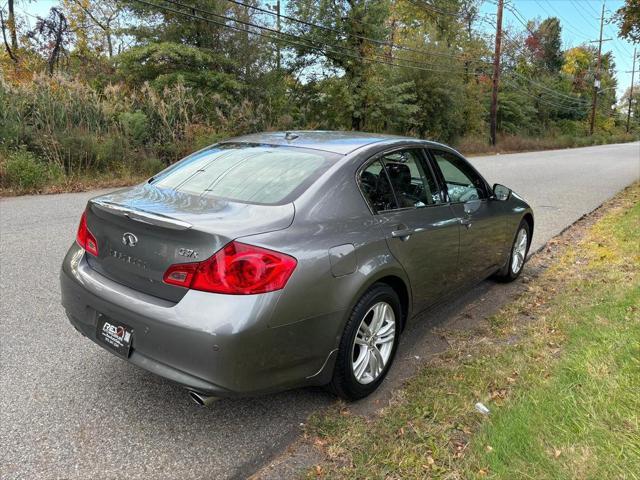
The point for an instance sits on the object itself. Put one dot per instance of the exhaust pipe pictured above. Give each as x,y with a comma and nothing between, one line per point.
202,399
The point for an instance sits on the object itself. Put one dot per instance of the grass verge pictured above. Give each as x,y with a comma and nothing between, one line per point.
559,370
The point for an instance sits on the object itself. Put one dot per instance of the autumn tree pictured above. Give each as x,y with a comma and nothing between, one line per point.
628,19
545,44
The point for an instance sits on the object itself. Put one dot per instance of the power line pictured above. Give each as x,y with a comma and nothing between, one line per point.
557,15
325,48
578,9
433,8
595,12
559,102
560,95
550,103
333,45
514,43
353,35
298,41
518,16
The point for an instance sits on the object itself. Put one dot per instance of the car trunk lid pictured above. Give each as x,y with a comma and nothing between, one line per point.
143,230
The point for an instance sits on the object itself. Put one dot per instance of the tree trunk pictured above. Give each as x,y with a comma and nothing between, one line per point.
11,23
4,38
109,42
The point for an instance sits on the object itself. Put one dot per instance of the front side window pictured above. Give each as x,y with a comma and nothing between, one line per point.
463,183
412,184
247,173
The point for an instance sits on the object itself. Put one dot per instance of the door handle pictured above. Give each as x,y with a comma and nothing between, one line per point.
403,234
466,221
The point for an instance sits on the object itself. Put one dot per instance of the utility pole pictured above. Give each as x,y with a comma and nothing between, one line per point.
633,71
596,82
278,28
496,74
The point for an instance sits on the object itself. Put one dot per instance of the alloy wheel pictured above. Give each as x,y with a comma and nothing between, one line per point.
373,343
519,251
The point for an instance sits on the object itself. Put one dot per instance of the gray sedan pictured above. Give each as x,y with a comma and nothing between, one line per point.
278,260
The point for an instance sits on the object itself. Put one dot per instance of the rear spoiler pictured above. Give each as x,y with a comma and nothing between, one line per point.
141,215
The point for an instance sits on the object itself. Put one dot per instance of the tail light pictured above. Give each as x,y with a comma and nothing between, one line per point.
236,269
85,238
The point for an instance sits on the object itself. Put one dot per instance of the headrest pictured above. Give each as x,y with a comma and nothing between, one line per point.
399,173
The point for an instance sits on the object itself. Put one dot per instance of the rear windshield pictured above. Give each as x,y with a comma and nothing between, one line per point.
262,174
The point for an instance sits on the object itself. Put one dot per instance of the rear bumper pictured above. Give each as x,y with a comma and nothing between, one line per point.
216,344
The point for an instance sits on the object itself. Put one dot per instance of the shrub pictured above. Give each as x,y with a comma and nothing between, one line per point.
24,172
78,150
151,166
135,126
111,152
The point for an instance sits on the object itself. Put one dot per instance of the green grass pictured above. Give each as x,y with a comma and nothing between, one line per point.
559,369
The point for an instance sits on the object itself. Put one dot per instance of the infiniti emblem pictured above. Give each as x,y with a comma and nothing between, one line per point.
129,239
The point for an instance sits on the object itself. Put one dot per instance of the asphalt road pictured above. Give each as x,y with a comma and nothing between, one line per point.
69,409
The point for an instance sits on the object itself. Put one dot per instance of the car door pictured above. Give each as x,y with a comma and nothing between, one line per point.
421,230
482,229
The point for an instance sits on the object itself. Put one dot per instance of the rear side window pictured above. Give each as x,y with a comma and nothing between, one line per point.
247,173
376,188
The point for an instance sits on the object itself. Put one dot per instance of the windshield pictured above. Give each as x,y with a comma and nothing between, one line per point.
262,174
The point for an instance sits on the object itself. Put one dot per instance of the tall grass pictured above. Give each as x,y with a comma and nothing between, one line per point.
72,130
517,143
78,130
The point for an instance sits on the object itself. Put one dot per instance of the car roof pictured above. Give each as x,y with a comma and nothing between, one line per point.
331,141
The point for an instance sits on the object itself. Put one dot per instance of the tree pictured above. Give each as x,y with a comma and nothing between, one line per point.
545,44
340,42
623,104
51,35
628,19
577,65
103,15
11,24
204,25
8,48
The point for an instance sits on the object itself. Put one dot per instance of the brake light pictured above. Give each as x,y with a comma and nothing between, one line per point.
85,238
236,269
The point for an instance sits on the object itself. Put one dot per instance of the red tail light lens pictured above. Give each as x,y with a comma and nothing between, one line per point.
237,269
85,238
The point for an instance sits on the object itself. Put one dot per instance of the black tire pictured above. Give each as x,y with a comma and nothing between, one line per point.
344,383
506,273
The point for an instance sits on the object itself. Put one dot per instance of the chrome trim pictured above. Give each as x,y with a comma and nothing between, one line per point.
326,360
141,215
202,399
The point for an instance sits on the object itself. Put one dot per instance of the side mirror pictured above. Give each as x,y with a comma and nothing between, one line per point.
500,192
